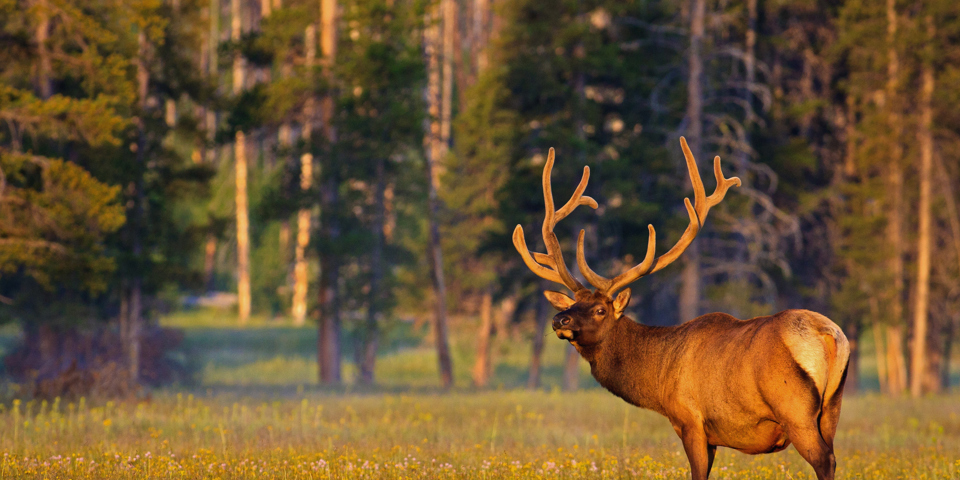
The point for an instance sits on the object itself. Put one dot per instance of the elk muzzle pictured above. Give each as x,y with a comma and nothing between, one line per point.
563,328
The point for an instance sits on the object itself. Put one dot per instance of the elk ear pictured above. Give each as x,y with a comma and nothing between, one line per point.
558,300
621,302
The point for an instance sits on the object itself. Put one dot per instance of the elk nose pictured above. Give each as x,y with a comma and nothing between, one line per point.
560,321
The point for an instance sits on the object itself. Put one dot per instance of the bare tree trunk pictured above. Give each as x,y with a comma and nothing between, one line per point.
209,252
854,327
483,365
480,37
881,353
44,67
371,335
243,228
285,139
750,61
139,222
918,371
300,280
329,338
437,150
542,313
328,348
690,277
213,41
850,159
896,368
948,334
449,33
240,166
852,385
571,369
440,290
953,217
508,308
879,349
896,363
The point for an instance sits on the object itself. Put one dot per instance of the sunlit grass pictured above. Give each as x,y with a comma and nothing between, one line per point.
256,412
472,436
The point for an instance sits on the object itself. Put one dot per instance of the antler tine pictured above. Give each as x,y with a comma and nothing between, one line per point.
609,286
723,184
543,272
551,266
697,212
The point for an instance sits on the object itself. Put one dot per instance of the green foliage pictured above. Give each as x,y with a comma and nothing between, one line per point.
54,221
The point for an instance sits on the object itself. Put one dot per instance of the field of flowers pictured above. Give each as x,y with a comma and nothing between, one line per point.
463,435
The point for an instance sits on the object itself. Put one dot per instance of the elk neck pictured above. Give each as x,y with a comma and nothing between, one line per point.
631,362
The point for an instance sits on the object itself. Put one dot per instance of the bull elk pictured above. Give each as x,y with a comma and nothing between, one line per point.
753,385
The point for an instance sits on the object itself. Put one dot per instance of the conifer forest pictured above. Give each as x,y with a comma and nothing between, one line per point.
210,205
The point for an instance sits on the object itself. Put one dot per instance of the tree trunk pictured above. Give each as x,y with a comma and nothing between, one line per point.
480,37
953,218
436,152
896,369
918,371
690,277
508,308
449,33
300,281
135,312
329,337
44,67
371,334
881,354
328,348
949,335
571,370
483,365
896,362
209,252
850,128
285,140
213,43
542,312
240,168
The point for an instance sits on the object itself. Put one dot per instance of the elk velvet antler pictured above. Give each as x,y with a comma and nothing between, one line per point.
698,214
551,266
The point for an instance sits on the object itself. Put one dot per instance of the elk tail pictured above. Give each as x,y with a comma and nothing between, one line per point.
837,350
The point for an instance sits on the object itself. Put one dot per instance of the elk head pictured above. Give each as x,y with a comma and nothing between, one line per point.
585,318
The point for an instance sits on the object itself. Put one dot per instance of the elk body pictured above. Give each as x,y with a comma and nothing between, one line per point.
753,385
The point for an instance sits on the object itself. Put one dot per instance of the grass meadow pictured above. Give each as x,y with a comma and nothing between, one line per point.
254,411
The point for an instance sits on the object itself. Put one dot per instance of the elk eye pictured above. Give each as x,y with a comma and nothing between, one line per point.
601,311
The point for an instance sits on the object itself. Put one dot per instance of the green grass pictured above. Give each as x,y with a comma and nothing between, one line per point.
271,353
490,435
255,411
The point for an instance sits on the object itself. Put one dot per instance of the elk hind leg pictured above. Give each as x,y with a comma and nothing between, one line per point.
813,449
830,414
802,417
838,356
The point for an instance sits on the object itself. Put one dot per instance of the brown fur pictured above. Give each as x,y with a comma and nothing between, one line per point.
753,385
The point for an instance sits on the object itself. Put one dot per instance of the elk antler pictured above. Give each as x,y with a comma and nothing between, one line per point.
551,266
698,214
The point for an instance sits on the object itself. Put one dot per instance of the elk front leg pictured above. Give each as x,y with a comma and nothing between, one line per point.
699,453
711,454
